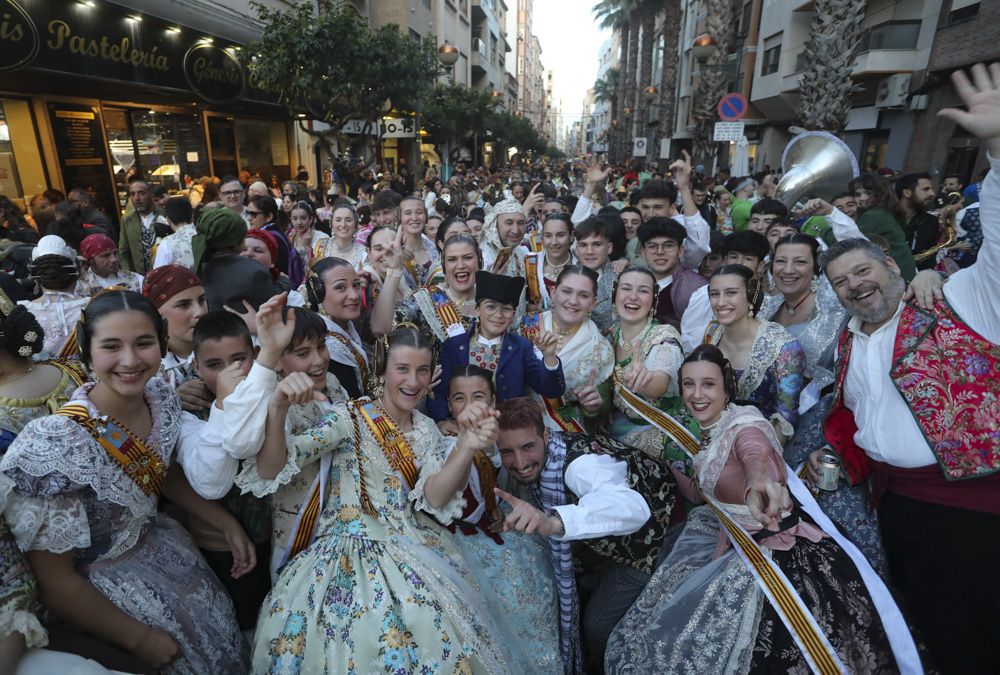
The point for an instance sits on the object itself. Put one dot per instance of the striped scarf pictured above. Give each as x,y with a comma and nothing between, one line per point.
550,491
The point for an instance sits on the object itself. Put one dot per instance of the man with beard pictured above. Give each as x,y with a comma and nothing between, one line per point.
915,192
100,253
501,239
916,410
597,501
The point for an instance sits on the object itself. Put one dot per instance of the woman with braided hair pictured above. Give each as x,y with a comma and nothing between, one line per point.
381,587
53,266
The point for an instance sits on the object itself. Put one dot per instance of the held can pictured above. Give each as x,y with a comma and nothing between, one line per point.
829,472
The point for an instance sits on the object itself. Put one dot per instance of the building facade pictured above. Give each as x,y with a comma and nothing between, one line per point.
94,93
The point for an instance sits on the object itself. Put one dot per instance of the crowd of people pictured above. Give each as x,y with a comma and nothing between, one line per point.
550,418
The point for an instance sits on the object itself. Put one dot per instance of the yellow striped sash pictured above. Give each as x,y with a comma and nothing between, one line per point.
143,466
394,445
815,647
531,274
70,349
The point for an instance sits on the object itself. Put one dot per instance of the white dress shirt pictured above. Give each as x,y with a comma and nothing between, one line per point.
209,469
695,320
607,506
887,431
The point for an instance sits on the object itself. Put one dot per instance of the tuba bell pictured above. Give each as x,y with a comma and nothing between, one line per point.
815,164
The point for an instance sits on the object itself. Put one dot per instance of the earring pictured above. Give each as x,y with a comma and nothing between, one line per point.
814,284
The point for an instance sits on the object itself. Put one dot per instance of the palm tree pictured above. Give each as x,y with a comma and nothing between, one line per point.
673,14
617,16
720,22
825,86
647,10
607,88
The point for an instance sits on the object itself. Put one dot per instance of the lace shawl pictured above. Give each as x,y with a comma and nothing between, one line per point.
54,460
819,337
710,462
765,358
587,351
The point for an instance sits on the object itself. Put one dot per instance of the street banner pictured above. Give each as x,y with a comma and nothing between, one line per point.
639,146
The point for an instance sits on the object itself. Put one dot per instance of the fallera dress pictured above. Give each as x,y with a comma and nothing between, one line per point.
384,593
71,495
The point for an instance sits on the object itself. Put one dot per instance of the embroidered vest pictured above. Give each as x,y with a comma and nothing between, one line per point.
948,376
651,478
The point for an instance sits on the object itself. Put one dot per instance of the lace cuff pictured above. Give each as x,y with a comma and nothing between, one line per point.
14,619
247,480
57,524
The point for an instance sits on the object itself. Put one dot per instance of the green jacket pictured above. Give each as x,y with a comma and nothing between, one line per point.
130,243
880,221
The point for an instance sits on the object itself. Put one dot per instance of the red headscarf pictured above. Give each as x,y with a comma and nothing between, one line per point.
96,244
272,248
165,282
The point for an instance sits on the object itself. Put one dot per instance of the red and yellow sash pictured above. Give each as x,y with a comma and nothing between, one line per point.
447,313
552,407
70,348
531,275
139,463
391,440
801,624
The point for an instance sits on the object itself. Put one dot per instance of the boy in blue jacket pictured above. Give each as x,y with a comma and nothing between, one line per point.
515,362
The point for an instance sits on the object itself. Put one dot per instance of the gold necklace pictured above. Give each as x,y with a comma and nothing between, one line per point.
463,305
626,345
384,411
562,333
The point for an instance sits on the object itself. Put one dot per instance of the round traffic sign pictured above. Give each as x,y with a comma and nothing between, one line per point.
732,107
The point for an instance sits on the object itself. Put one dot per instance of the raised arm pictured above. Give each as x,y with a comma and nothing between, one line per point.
385,307
972,291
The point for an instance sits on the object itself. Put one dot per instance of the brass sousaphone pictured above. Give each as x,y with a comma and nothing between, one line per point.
815,164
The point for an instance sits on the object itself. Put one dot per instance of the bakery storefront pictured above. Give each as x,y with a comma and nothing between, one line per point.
92,93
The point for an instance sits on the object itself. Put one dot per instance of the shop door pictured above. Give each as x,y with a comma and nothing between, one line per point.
222,136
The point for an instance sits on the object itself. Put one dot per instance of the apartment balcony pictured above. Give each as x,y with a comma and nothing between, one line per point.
478,12
480,60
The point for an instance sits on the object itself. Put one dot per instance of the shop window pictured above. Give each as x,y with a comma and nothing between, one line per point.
165,148
263,148
21,172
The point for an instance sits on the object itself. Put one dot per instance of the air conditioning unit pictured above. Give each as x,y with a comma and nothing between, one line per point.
892,91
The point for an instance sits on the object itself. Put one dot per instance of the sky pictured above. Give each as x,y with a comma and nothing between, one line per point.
571,42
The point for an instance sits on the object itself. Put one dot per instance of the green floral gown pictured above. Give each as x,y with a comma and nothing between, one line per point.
385,594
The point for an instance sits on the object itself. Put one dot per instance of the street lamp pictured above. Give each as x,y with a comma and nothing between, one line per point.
448,54
704,46
649,93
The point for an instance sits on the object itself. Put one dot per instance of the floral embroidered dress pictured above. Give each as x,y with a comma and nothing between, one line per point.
524,605
704,612
18,591
435,314
70,495
660,350
387,593
15,413
774,375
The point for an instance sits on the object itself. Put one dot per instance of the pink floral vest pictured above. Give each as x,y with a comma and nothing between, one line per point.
949,376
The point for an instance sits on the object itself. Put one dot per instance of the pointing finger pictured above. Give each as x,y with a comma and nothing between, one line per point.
507,497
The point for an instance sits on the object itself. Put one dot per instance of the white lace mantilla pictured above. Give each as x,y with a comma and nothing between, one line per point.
57,447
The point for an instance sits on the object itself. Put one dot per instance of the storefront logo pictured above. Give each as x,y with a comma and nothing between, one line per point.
213,73
18,36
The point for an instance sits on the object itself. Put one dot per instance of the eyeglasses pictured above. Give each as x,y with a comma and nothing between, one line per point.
254,214
231,193
494,308
656,246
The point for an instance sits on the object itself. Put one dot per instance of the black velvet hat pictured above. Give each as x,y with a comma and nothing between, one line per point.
499,288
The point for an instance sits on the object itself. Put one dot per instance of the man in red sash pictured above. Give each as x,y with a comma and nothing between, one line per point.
917,410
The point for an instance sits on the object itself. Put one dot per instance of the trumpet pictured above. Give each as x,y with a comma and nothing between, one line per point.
945,202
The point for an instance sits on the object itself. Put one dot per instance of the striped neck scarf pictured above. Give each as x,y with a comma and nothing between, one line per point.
550,491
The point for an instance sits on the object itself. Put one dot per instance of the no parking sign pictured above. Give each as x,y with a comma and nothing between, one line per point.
732,107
